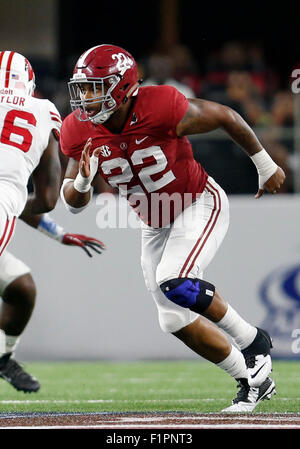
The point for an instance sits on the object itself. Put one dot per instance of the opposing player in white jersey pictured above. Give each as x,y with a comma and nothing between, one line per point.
135,138
29,134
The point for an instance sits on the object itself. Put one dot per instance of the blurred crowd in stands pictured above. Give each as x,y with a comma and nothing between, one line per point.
235,75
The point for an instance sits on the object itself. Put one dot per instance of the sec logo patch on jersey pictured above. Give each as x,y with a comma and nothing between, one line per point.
105,151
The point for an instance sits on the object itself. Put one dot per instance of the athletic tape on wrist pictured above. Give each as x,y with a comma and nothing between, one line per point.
265,166
82,184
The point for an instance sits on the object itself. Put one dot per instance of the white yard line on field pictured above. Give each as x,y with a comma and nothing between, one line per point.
122,401
222,417
101,401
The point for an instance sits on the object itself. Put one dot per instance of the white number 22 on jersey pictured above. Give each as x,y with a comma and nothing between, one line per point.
144,174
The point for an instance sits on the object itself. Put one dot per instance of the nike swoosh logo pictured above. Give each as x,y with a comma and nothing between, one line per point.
140,141
255,374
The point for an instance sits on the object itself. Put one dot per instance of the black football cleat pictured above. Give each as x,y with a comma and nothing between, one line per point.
258,359
13,373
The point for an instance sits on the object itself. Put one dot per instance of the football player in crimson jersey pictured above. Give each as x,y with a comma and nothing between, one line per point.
29,132
135,138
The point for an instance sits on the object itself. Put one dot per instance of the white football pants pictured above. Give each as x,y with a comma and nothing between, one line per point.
184,249
10,267
7,227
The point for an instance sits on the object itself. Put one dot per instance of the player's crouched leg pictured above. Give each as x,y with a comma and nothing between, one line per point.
18,303
18,292
171,316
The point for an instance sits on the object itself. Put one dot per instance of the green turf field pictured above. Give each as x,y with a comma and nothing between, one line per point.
188,386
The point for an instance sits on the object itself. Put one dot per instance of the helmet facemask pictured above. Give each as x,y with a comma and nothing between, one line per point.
102,89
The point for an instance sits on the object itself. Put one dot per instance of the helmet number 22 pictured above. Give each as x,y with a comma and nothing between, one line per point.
144,174
16,135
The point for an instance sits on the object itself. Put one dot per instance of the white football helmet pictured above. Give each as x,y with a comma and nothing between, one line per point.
16,72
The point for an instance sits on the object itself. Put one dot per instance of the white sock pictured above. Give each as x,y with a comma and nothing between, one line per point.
234,364
11,343
2,342
242,332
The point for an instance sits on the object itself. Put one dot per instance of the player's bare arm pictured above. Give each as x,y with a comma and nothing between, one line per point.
204,116
46,181
74,197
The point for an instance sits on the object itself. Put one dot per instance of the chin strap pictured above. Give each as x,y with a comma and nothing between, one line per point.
133,91
102,118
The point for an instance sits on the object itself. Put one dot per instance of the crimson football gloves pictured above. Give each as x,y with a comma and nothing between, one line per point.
84,242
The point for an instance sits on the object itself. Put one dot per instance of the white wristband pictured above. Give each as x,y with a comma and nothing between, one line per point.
74,210
265,166
82,184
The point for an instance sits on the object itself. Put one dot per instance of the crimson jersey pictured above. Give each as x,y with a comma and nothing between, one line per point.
147,162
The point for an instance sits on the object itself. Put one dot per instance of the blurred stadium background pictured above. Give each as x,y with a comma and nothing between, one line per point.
99,308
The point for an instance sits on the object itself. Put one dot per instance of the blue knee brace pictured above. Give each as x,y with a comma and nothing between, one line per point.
194,294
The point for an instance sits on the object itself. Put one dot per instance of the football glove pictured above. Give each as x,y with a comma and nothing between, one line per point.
84,242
